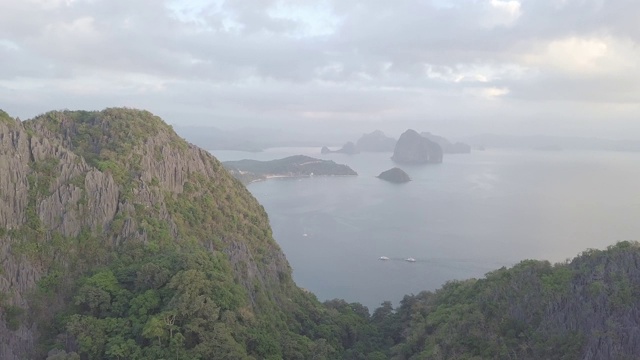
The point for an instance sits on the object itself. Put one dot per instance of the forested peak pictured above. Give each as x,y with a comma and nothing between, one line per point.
6,119
102,134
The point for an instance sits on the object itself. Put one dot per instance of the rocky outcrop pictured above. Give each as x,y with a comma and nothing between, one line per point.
104,177
447,146
15,155
412,148
376,141
395,175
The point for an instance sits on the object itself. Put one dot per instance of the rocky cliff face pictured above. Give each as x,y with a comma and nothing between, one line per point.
71,180
412,148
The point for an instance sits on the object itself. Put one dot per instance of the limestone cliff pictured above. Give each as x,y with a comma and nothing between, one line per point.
76,185
412,148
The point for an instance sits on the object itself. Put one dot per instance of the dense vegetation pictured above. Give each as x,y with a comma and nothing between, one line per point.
179,303
185,267
293,166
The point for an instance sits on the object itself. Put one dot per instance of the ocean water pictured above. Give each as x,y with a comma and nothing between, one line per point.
460,219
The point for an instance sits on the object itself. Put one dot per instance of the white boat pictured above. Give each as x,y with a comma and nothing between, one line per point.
383,258
410,259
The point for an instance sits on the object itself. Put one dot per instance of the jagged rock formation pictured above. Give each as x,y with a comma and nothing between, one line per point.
348,148
106,179
293,166
395,175
447,146
412,148
376,141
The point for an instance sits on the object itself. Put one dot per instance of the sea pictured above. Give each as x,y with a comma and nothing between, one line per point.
461,219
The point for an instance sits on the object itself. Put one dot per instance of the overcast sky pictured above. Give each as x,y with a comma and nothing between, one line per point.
457,68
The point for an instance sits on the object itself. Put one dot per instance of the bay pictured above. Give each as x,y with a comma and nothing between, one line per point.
460,219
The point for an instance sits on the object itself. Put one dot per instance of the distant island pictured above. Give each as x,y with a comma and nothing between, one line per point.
412,148
376,141
447,146
349,148
552,143
248,171
395,175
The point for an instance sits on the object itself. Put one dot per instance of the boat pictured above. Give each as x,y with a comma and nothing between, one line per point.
410,259
383,258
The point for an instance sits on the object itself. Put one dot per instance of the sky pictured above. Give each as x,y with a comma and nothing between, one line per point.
456,68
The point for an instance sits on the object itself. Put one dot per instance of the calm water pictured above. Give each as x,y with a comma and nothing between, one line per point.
459,219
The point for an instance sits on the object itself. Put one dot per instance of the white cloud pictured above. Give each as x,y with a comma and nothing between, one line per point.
313,19
341,60
488,93
586,55
501,13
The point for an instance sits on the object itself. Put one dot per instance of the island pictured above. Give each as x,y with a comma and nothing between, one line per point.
376,141
412,148
349,148
395,175
447,146
248,171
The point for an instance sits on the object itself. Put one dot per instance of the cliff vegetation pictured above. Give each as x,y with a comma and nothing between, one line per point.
119,240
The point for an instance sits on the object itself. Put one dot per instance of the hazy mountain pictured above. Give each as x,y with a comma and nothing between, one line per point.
251,139
447,146
375,141
412,148
544,142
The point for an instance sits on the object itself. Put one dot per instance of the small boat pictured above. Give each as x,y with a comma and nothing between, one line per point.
410,259
383,258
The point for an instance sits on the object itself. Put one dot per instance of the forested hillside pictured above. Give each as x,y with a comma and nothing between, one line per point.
588,308
119,240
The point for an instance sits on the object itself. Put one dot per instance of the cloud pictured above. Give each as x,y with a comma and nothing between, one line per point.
325,60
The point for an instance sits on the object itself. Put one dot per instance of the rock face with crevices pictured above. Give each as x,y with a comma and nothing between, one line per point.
72,177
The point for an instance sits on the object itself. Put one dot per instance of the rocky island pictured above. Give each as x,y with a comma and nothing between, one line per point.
412,148
395,175
249,171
